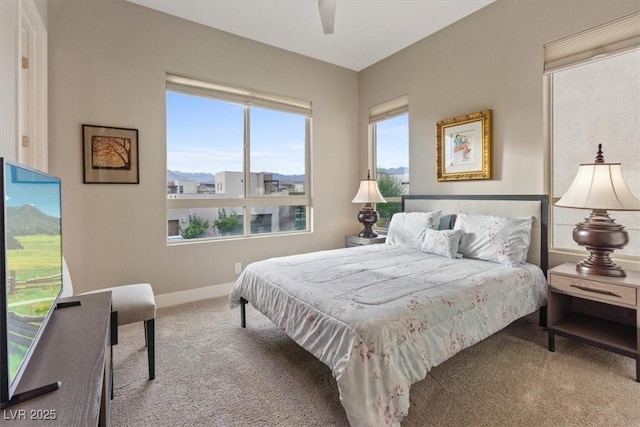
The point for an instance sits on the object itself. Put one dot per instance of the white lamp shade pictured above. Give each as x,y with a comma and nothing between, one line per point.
600,186
368,193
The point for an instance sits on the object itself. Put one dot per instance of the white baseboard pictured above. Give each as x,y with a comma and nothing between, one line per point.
175,298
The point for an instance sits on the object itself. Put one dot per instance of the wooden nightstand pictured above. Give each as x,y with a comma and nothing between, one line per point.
355,240
598,310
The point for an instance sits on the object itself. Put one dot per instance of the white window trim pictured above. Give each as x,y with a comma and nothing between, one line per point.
385,110
237,94
32,84
248,98
595,44
611,38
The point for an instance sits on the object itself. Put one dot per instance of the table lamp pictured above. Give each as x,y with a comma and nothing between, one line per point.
368,193
600,186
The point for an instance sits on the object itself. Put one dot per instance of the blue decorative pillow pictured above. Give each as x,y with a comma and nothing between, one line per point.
446,222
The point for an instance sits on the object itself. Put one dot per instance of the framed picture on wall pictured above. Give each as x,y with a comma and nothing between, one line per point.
464,147
110,155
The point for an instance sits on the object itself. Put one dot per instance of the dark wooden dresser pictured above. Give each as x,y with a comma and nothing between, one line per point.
75,349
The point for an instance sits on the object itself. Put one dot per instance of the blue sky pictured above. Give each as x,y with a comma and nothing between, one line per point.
26,187
393,142
45,197
206,135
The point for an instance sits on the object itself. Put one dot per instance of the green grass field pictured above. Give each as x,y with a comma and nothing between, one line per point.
39,258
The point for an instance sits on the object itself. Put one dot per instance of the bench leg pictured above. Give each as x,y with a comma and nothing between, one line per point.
114,341
149,329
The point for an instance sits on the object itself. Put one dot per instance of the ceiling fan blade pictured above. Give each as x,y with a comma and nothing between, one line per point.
327,10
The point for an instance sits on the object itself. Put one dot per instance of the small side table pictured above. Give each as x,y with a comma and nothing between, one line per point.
598,310
352,240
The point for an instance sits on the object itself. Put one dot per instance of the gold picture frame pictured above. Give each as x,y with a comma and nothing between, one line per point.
464,147
110,155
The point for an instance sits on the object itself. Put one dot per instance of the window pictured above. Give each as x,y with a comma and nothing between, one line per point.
594,100
389,129
236,161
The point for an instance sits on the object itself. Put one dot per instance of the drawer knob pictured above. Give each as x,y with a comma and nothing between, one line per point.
596,291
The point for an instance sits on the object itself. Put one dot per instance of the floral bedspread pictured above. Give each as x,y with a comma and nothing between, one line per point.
381,316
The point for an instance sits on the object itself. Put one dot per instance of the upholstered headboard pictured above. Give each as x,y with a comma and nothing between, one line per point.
512,206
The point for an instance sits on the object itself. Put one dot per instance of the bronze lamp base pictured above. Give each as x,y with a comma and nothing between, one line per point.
600,235
368,217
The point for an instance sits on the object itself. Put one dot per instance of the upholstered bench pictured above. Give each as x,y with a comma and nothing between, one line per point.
136,303
130,303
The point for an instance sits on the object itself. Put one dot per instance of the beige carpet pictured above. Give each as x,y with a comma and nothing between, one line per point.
210,372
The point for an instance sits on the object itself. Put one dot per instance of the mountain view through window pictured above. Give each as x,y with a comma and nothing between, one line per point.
225,160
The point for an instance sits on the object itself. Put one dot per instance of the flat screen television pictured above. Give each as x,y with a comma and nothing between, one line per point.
30,270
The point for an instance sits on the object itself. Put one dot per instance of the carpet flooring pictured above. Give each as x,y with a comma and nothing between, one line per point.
211,372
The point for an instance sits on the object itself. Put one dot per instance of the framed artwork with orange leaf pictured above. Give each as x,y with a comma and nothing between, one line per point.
110,155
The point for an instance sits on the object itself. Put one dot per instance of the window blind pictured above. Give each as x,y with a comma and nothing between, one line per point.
390,108
614,37
242,95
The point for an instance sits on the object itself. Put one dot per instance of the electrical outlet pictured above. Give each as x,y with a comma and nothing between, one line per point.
238,267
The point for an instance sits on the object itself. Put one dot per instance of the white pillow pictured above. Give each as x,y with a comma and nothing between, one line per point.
407,228
493,238
441,242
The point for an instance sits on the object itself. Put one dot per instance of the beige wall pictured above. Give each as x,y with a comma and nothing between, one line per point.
493,59
107,64
41,5
107,60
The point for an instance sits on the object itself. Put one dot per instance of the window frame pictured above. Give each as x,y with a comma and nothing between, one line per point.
599,43
247,98
392,108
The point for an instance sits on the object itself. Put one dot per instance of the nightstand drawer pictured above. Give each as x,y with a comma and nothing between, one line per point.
590,289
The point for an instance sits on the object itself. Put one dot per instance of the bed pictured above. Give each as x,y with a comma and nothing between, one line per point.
381,316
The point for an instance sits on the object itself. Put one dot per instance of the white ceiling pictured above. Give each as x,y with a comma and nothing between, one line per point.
365,31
